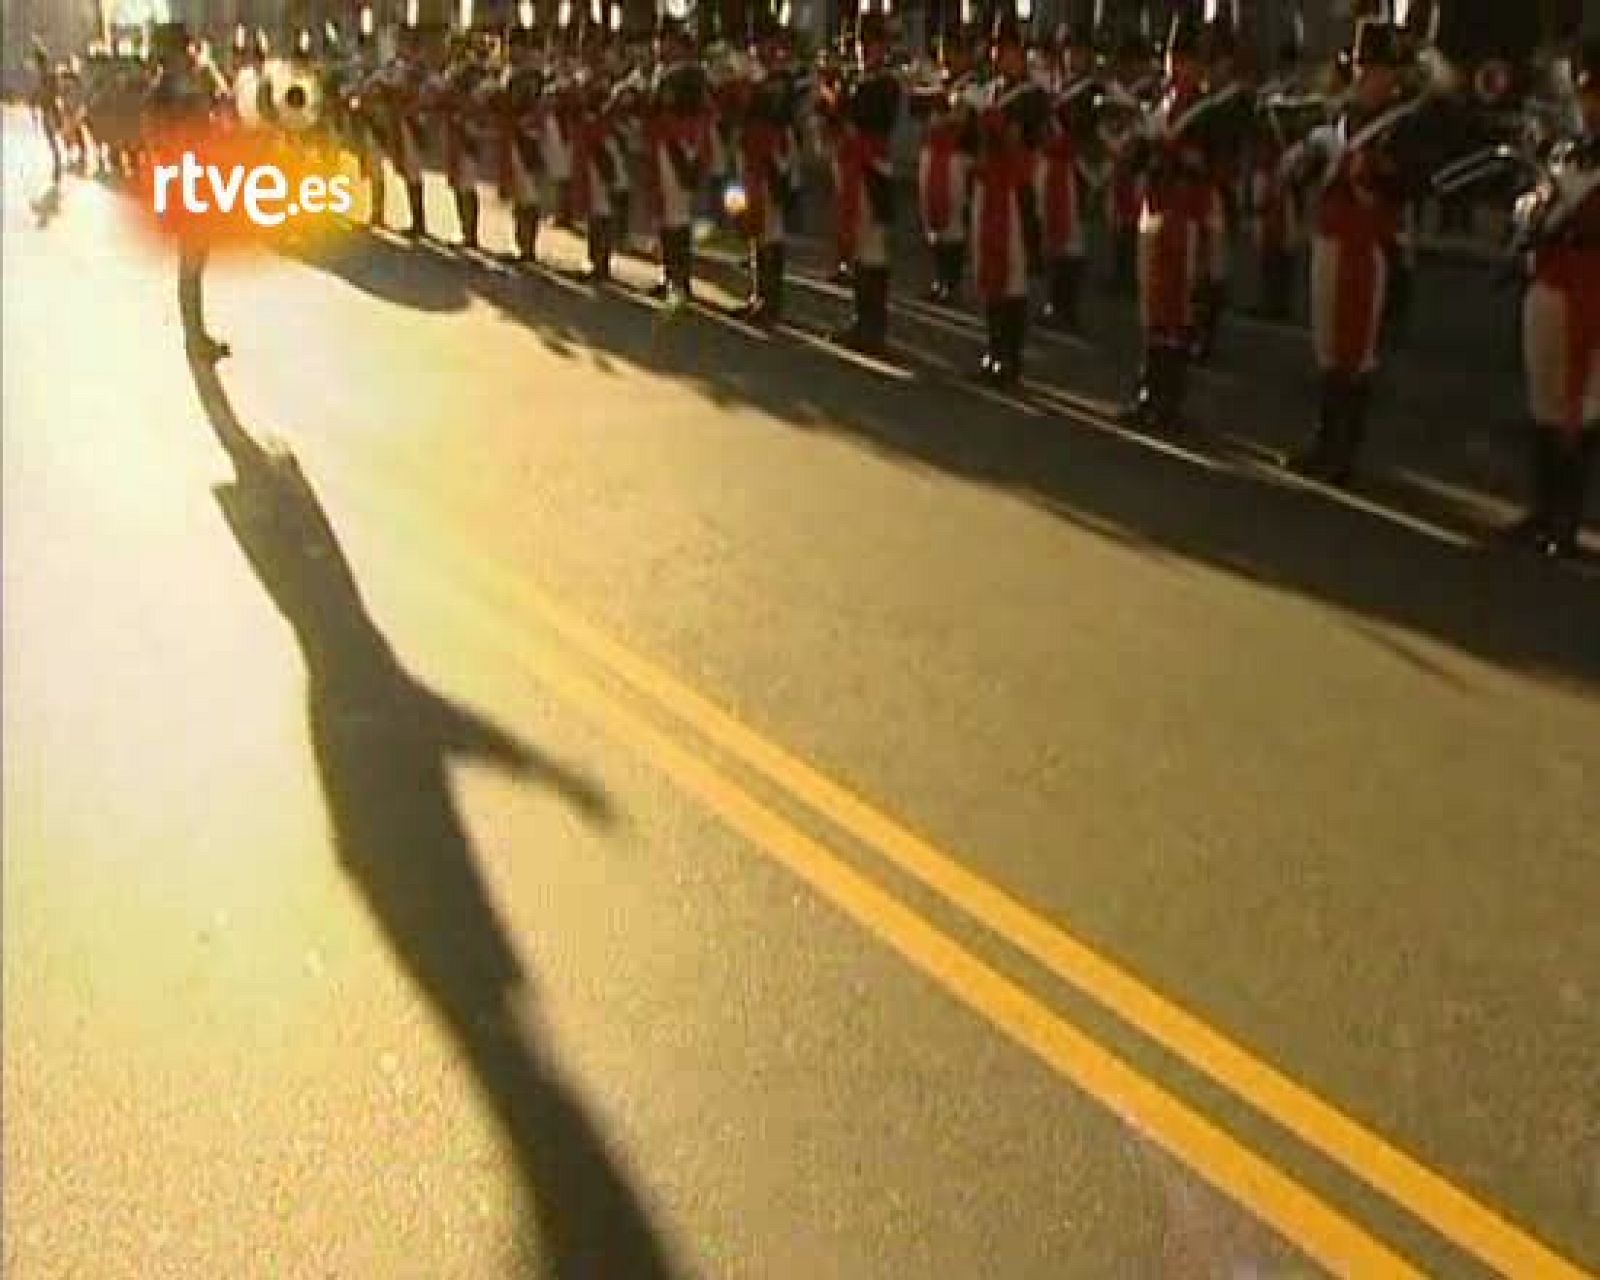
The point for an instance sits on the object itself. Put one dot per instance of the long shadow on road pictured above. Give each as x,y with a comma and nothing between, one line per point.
1520,614
383,744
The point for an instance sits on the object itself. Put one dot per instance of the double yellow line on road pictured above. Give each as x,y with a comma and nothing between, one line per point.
505,603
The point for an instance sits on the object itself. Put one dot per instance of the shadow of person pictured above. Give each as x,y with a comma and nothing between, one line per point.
383,744
46,206
383,267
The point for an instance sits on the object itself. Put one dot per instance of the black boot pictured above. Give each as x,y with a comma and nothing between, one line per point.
686,263
1125,261
874,309
1571,466
1066,285
665,239
1140,411
850,335
938,288
1315,458
1352,431
1015,335
1208,315
1396,305
418,204
990,359
869,327
1277,277
379,189
1534,527
621,219
948,257
766,304
677,251
599,249
1172,390
527,229
467,215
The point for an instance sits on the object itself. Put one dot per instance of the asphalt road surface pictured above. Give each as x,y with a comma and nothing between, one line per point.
500,781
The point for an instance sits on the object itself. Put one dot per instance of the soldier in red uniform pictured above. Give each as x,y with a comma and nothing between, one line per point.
866,111
1063,176
458,106
1363,181
678,134
767,153
1561,326
1122,188
944,162
1005,219
401,90
1230,106
596,166
1276,223
1174,156
522,165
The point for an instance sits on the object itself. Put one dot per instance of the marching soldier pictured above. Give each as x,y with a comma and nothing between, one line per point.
457,105
626,110
768,150
521,143
1064,176
944,163
1230,106
679,146
47,105
1561,326
1363,182
1276,224
185,96
401,90
1123,188
1005,215
251,94
596,167
1174,159
560,116
866,111
366,124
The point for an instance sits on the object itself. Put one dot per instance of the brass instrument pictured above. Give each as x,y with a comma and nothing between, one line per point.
295,94
1119,116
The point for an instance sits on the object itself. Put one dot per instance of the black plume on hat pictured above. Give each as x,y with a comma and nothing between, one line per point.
1586,71
1186,34
1377,44
1221,40
1005,30
1075,35
165,37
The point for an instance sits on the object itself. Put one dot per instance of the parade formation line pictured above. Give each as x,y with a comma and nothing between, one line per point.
1451,1213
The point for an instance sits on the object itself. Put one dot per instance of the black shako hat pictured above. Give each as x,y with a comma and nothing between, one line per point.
1377,44
1006,31
1586,68
1186,35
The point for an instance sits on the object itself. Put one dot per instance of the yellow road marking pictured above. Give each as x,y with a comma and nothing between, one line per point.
1331,1239
1457,1216
1454,1214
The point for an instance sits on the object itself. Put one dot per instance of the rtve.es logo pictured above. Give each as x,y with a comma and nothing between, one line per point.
270,195
242,187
